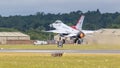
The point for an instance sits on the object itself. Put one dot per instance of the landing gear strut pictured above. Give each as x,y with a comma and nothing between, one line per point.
78,41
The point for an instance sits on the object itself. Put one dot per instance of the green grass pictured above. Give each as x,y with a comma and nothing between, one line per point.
66,46
39,60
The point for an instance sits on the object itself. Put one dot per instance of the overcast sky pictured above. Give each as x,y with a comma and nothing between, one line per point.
27,7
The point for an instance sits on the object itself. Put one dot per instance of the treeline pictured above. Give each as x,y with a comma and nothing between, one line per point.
34,25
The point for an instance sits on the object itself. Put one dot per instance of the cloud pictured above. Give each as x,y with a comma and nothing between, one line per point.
23,7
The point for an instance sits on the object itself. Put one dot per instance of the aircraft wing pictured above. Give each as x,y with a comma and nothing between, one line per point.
88,31
62,32
70,35
62,28
57,31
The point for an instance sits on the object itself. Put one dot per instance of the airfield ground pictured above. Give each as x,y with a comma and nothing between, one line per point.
45,60
68,60
66,46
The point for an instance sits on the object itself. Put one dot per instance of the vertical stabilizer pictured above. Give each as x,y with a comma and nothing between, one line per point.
80,22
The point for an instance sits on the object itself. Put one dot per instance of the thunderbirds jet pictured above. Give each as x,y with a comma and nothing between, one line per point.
69,31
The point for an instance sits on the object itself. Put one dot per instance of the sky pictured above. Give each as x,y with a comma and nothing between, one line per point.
27,7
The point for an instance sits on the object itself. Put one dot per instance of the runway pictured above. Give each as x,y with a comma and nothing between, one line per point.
61,51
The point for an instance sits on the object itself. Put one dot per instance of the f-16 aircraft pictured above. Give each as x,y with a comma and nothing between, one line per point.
70,31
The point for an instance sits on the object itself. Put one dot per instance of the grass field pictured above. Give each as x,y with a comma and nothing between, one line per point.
66,46
44,60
